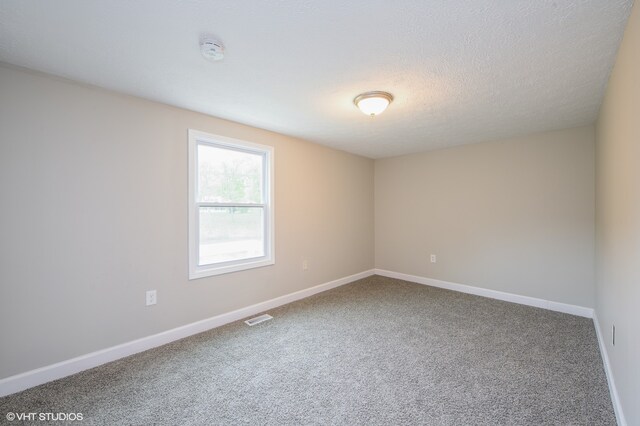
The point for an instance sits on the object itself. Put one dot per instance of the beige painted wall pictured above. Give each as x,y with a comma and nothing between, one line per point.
93,187
515,216
618,219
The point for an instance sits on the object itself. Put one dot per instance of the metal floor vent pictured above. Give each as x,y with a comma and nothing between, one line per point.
258,320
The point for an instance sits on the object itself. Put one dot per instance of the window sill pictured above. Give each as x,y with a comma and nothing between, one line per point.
203,271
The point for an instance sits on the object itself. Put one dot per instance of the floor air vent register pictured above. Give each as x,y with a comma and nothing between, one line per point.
258,319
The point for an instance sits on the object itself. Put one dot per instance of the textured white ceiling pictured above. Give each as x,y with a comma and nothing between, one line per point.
460,71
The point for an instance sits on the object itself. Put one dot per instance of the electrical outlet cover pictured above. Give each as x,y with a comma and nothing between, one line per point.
151,297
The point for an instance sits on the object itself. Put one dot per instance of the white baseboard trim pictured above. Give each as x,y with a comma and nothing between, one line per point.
613,391
62,369
493,294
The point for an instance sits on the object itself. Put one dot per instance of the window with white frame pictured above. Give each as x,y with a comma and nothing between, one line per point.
230,205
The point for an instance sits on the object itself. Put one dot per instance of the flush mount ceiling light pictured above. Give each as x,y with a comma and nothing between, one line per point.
373,103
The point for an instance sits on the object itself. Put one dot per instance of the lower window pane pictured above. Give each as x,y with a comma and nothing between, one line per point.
230,233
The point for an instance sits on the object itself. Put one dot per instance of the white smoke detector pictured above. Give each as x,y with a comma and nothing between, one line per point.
211,49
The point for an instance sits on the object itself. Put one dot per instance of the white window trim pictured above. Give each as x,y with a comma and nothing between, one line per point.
195,271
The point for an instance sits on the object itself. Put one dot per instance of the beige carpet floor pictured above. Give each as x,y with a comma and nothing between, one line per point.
378,351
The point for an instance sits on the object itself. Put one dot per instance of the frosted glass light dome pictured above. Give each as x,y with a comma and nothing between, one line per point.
373,103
